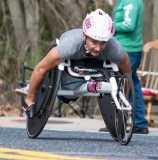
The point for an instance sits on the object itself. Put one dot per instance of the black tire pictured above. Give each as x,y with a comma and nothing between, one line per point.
125,119
45,99
108,113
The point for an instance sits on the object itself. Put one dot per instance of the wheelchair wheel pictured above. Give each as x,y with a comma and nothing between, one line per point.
45,99
108,113
125,119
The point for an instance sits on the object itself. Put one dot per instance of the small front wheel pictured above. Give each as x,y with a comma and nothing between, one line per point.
124,119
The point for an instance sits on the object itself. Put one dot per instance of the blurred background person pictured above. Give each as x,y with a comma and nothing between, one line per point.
128,23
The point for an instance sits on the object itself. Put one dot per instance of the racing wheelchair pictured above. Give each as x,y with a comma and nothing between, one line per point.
114,92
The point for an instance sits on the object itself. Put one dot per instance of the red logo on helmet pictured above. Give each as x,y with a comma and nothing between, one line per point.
89,22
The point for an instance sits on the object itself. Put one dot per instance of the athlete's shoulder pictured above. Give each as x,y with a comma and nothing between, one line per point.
113,40
73,32
114,44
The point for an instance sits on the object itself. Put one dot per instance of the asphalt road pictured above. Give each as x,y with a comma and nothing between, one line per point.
73,144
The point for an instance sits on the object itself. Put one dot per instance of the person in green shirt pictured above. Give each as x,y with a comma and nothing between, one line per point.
128,21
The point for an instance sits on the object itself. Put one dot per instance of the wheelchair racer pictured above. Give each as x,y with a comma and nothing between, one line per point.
95,41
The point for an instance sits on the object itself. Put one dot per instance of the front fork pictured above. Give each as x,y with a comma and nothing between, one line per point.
114,93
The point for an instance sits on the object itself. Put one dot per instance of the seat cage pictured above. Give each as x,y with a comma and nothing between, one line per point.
82,90
67,64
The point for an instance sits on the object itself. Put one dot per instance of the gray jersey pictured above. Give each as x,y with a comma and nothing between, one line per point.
71,47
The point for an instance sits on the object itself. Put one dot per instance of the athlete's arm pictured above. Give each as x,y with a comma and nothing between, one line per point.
124,65
50,61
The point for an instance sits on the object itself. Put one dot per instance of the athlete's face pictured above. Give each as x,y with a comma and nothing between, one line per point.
95,47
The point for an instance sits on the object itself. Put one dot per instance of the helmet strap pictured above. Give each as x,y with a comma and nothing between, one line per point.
87,51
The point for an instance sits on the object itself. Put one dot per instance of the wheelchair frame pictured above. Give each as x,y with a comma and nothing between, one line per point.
123,110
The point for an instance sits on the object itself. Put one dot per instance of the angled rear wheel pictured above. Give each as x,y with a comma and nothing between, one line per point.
44,102
108,113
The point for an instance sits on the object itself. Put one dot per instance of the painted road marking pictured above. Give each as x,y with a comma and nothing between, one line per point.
18,154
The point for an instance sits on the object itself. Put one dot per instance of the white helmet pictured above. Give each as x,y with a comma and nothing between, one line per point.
98,25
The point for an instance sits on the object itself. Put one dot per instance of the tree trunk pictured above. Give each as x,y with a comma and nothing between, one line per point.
32,23
18,22
155,20
75,11
148,21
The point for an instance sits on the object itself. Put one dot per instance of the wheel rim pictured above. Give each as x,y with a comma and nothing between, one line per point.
125,119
